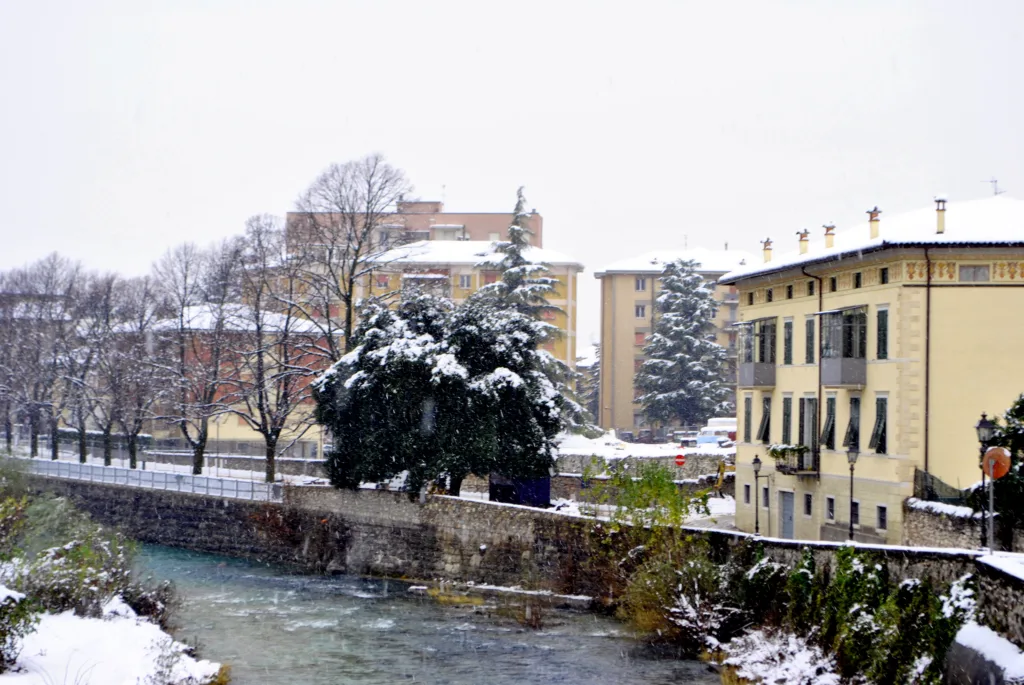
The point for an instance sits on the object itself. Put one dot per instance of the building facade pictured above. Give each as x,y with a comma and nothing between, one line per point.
885,342
457,269
629,291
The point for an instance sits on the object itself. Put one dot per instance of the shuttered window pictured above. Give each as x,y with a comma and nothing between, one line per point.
765,429
748,410
800,439
787,419
828,433
878,434
852,439
787,342
809,341
883,334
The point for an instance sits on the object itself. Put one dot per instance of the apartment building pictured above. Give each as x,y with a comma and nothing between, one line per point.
886,342
629,290
457,269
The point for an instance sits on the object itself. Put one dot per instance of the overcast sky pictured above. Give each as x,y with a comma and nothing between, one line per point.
129,126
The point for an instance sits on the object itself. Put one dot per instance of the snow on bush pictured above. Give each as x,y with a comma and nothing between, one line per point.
17,617
778,657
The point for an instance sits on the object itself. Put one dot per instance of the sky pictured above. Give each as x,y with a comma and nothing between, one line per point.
129,126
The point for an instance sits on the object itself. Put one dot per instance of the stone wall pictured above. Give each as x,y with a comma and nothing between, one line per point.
385,534
940,526
696,464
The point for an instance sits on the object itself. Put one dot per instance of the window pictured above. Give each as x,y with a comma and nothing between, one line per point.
764,431
787,419
759,341
641,284
830,508
833,284
490,277
750,298
640,311
787,342
640,338
769,294
883,275
810,288
883,517
858,280
764,497
974,273
465,281
809,340
878,441
808,504
808,429
748,410
382,281
855,513
852,439
746,493
828,433
882,347
789,292
844,334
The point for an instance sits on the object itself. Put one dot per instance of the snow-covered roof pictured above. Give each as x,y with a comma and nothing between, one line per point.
710,261
997,220
236,318
470,252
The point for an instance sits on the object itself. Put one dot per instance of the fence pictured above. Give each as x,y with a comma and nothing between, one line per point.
159,480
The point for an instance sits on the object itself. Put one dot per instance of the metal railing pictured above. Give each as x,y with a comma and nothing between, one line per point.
158,480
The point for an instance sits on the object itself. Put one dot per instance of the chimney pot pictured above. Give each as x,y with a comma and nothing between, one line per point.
804,238
767,245
940,214
830,236
873,220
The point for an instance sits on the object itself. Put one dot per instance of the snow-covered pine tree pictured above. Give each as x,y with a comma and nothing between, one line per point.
682,377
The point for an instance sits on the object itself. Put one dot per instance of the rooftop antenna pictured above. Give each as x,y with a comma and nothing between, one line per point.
686,245
995,186
443,188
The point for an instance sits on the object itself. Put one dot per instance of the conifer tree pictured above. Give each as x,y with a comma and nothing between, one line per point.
682,377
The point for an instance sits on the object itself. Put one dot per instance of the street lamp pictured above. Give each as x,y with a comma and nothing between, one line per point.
756,465
986,431
851,456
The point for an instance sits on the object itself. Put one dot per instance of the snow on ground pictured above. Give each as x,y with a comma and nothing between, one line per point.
610,447
995,648
776,657
116,650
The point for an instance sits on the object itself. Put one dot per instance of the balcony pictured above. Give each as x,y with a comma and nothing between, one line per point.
844,371
795,464
756,375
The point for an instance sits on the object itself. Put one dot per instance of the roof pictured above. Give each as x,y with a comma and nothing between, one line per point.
237,318
469,252
713,261
992,221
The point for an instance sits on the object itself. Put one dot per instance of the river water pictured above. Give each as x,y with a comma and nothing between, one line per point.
278,628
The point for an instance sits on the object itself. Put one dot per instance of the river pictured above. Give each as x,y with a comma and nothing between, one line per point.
278,628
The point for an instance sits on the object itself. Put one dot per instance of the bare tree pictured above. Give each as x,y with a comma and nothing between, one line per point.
199,291
337,237
141,377
273,361
8,300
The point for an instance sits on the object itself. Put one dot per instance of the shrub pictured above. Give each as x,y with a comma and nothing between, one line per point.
157,602
858,588
804,590
18,617
12,521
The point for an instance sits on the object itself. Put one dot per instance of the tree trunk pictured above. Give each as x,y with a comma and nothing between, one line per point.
133,450
108,446
83,449
271,463
199,448
8,430
33,422
455,484
54,439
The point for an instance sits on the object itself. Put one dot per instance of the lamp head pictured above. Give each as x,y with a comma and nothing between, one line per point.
756,464
986,429
851,456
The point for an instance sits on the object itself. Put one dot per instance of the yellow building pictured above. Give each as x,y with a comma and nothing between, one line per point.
888,339
629,289
457,268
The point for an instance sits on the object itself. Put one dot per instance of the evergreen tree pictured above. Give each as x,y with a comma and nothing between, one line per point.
681,379
588,387
1009,490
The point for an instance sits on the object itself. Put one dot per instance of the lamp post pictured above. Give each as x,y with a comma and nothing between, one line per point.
851,456
986,431
756,465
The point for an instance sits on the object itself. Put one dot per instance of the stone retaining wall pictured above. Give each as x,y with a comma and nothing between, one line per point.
696,464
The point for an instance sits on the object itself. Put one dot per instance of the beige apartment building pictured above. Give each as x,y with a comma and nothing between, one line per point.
886,342
457,269
629,290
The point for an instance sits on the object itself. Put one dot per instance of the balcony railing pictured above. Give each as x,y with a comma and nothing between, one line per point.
756,375
838,371
795,464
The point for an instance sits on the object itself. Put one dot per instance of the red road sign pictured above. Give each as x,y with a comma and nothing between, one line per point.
995,464
680,460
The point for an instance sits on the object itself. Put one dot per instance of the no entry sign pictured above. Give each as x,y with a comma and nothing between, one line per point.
680,460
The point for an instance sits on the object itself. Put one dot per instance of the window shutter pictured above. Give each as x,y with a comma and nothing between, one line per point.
801,438
828,433
883,334
787,342
748,410
878,432
852,438
764,430
809,353
787,419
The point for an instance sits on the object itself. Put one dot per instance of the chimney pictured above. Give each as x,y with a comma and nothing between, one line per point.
873,220
767,244
804,240
940,214
830,235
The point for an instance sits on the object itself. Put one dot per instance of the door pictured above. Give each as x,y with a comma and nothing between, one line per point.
786,514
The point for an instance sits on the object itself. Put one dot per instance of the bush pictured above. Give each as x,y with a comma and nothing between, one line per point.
157,602
18,616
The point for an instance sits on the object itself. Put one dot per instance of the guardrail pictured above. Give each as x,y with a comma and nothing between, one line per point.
158,480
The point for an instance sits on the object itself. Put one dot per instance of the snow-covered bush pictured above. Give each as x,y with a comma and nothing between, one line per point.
18,616
805,591
859,585
155,601
770,656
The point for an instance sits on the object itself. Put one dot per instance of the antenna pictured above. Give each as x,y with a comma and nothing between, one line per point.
686,241
443,188
995,186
